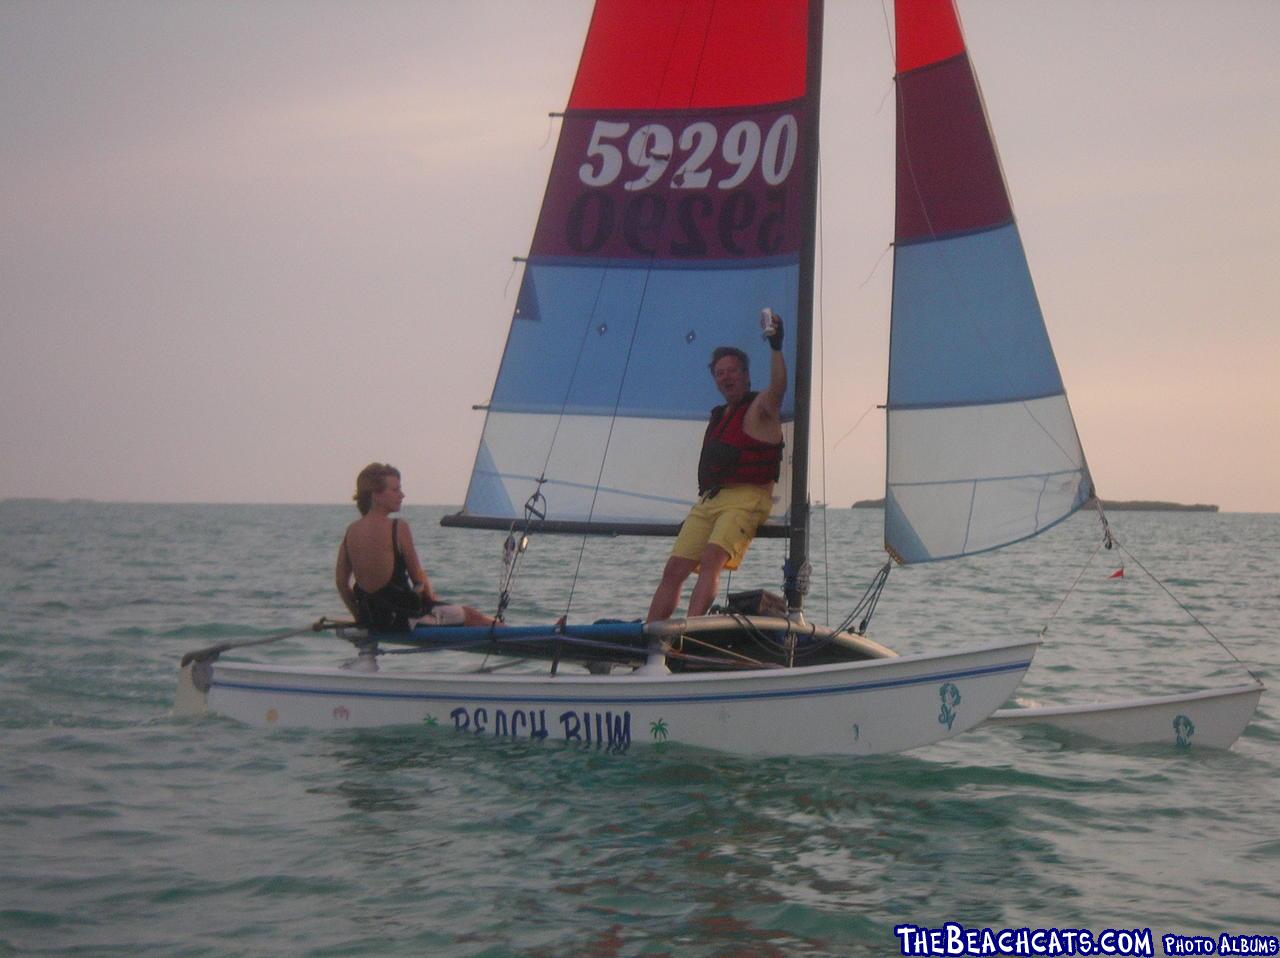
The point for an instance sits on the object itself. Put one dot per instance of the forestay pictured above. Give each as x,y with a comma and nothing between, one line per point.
673,214
982,446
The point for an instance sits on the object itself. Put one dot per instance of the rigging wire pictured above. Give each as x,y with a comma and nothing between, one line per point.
631,345
515,262
855,425
530,509
1109,541
734,657
889,37
551,124
613,421
866,606
577,362
789,647
1072,588
635,329
822,403
513,549
876,266
1194,618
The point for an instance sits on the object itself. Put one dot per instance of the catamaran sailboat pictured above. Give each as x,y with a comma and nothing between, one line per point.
682,200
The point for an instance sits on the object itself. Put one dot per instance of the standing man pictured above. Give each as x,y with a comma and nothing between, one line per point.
741,456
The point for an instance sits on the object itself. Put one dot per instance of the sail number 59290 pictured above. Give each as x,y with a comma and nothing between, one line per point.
650,151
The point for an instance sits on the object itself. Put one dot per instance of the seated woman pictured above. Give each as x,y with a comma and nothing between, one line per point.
378,574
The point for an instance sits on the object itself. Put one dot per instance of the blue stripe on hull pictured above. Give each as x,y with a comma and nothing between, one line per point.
645,700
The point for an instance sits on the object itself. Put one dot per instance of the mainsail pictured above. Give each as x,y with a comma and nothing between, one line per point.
982,446
679,205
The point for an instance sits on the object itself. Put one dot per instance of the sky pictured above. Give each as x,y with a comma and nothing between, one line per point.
250,247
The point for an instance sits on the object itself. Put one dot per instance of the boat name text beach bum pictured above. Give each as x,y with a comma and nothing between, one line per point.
954,939
602,729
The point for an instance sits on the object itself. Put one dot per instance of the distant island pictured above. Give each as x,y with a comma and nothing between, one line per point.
1115,505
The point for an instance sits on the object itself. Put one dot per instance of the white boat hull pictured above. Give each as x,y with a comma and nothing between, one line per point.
861,708
1213,718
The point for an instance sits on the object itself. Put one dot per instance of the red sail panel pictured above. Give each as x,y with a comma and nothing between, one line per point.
927,31
949,178
691,54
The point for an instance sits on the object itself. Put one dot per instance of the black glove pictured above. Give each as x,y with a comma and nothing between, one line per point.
775,337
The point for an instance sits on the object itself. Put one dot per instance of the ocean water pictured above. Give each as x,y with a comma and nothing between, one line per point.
124,831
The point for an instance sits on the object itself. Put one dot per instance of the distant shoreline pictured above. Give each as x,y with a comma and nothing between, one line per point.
1114,505
1117,505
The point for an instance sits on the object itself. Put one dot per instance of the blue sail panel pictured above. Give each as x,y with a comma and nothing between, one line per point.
967,326
488,494
605,394
627,341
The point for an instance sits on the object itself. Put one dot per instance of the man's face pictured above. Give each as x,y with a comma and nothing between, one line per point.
731,378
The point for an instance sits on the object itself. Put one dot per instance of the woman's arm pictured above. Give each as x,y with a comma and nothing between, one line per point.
342,580
416,572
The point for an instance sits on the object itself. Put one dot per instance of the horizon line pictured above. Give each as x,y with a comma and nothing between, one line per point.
72,500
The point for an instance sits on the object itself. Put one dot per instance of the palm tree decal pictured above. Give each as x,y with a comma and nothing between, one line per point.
658,730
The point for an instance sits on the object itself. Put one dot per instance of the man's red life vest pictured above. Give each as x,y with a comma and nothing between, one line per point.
731,457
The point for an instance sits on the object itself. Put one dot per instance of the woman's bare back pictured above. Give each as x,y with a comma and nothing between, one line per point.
370,552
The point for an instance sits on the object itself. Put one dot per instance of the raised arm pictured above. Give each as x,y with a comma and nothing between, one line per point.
764,418
777,387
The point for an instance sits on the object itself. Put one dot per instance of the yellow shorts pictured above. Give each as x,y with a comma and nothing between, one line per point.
728,519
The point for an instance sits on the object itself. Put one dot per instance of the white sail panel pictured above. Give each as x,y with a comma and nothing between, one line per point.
647,465
964,479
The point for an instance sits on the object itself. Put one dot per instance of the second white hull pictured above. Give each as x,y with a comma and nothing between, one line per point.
1212,717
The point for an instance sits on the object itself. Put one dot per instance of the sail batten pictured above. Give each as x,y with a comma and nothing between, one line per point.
982,447
1040,477
1031,397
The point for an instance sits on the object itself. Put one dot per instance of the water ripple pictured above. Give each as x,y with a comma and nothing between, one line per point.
125,832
